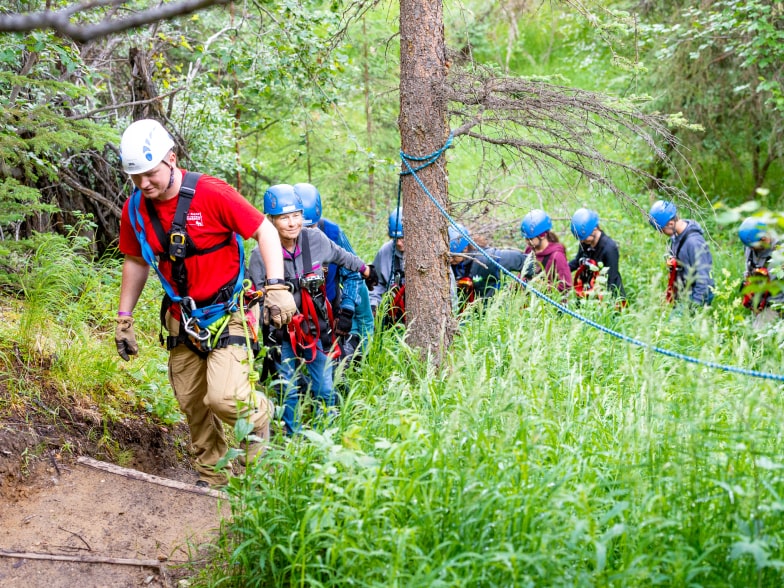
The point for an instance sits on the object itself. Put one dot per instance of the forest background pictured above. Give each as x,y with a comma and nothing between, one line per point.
644,470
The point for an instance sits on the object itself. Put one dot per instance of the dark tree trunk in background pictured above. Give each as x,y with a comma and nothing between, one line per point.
423,130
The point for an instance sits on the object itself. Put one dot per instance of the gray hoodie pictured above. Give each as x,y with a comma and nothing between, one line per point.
694,257
322,252
384,268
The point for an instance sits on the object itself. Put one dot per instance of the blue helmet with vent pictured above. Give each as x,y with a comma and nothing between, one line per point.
396,224
535,223
584,221
281,199
311,203
661,213
457,241
752,230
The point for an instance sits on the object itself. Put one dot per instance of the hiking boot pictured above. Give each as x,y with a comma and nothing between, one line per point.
252,452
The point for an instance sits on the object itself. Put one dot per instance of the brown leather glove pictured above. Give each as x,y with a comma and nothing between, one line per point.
279,305
125,338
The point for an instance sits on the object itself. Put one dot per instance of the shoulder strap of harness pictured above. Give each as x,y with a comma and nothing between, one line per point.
677,252
307,260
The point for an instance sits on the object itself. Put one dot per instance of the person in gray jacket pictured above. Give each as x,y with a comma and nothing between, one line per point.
390,266
477,273
691,262
308,342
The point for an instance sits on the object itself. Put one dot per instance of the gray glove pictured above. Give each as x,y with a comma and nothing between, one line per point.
279,305
125,338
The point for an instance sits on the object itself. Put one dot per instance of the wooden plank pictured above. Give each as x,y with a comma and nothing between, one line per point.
92,559
137,475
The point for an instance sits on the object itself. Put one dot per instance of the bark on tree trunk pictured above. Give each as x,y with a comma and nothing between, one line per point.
423,130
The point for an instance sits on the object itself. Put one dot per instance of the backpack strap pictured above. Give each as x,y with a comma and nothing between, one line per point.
315,308
331,230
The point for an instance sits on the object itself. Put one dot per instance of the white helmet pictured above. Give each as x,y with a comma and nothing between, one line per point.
144,144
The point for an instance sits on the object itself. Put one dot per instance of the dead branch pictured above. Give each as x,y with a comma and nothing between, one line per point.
555,128
72,182
125,105
78,536
122,561
60,20
141,476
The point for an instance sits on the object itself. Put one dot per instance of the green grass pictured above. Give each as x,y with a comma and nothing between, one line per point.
62,331
544,454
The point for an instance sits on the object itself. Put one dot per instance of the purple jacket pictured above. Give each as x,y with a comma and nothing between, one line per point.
556,267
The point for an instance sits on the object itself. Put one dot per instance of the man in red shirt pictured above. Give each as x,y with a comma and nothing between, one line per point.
210,376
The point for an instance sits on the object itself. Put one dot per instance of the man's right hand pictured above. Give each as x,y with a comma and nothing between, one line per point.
279,305
125,338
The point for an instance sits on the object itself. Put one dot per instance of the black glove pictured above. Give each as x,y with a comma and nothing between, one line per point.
372,280
343,322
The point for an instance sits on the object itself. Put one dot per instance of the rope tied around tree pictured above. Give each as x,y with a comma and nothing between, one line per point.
433,157
427,159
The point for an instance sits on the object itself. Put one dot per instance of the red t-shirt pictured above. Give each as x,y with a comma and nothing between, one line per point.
217,210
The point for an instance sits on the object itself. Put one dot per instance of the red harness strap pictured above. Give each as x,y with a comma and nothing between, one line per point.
756,300
672,282
397,309
585,278
304,331
465,292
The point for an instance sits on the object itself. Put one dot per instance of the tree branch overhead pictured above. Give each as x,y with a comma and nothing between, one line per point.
60,20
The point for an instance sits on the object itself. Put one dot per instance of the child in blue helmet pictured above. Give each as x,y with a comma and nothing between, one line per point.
760,246
596,251
390,266
691,262
536,229
481,268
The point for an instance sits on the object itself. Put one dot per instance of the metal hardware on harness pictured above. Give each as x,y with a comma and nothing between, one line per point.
312,282
191,325
589,264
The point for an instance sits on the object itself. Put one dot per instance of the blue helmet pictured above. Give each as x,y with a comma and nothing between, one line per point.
661,213
535,223
752,230
584,221
311,203
457,241
281,199
396,224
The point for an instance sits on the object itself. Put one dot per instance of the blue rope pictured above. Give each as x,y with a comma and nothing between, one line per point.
430,159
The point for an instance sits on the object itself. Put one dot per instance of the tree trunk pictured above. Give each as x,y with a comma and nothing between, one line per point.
423,130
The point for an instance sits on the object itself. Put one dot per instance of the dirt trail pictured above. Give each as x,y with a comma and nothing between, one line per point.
74,511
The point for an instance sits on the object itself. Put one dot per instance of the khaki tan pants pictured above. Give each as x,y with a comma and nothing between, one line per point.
214,391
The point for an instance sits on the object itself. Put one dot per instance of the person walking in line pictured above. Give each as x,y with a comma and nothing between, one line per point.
760,296
690,261
390,267
477,273
190,228
308,343
536,229
596,252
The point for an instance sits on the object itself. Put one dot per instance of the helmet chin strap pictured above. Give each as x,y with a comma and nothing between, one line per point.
171,175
